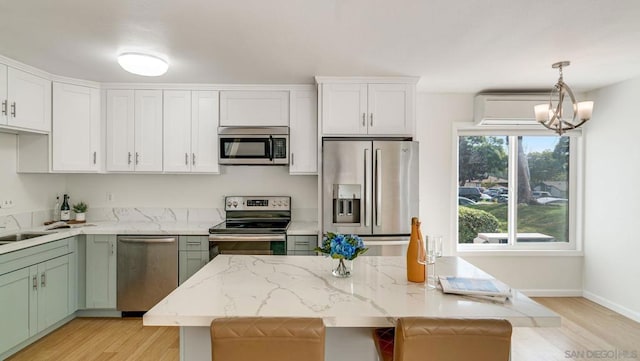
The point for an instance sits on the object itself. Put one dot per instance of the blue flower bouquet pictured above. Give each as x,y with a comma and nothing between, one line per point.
342,247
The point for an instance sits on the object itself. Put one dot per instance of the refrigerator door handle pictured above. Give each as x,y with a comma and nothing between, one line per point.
366,194
378,185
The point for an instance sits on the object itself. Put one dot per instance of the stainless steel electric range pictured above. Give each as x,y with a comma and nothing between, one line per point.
253,225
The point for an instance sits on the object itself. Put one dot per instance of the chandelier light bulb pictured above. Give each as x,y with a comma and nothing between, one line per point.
143,64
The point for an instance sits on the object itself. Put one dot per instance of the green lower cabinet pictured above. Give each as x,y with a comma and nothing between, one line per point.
193,254
189,262
34,298
101,264
53,291
15,297
302,245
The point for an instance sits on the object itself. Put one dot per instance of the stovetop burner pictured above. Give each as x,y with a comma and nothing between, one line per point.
254,215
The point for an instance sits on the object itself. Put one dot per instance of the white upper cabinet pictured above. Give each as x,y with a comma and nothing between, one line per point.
190,131
303,132
76,128
120,128
25,100
240,108
134,130
344,108
177,130
148,130
391,108
205,110
4,101
357,107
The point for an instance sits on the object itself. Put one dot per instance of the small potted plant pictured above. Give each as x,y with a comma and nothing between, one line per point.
80,209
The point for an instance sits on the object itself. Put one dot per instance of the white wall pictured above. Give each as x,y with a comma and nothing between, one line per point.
193,191
612,246
29,192
536,275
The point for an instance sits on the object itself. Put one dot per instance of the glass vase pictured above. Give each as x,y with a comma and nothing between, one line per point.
343,269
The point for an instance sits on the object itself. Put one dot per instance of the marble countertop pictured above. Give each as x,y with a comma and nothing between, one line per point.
303,229
302,286
200,228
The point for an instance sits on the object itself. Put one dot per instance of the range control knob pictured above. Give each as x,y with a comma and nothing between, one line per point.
235,204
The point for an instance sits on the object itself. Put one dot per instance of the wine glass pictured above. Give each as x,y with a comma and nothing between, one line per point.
427,257
437,240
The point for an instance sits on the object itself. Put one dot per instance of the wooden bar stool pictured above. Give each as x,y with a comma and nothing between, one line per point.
267,339
438,339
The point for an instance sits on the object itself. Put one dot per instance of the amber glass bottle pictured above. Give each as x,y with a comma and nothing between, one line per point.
415,270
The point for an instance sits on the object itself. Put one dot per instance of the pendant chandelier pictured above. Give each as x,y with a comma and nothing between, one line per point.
553,115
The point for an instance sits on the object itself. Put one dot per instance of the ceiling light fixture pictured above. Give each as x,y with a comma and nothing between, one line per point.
143,64
553,117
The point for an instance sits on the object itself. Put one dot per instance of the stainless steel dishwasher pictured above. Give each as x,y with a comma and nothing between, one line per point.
147,271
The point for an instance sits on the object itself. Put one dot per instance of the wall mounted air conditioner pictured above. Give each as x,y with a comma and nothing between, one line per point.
507,108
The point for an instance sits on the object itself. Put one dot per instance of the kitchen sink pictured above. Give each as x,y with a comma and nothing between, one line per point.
21,236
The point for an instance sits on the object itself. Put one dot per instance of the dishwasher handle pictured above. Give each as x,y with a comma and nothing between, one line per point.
147,240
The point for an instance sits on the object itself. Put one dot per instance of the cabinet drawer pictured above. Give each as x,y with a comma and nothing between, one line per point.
193,243
26,257
301,244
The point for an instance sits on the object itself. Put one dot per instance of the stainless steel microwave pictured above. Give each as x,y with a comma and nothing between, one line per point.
254,145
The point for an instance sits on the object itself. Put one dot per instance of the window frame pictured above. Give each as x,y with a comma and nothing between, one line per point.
576,199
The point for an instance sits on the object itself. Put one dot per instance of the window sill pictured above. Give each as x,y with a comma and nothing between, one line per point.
520,253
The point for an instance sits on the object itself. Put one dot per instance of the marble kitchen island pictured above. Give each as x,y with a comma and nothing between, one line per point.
302,286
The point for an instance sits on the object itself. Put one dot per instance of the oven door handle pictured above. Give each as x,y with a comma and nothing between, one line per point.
247,238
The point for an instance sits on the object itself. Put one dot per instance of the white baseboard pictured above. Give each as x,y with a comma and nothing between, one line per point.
634,315
552,293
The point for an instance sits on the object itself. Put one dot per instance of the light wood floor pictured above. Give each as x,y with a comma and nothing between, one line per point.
586,326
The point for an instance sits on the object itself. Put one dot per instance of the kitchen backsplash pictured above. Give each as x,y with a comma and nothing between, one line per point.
25,220
151,214
207,216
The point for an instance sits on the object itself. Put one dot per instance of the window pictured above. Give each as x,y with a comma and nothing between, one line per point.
516,190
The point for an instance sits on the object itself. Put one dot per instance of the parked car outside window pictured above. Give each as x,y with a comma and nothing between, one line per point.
462,201
472,193
538,194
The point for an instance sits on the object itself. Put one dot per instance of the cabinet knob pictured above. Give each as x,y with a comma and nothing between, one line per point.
35,283
94,157
364,119
371,120
186,158
43,280
4,107
13,109
292,159
193,159
128,157
137,158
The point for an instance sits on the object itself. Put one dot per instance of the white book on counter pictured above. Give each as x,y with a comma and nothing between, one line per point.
484,288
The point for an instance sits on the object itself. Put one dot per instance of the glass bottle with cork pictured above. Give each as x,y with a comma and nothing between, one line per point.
65,210
415,250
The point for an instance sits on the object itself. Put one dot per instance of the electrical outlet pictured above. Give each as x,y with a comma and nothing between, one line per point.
109,197
7,203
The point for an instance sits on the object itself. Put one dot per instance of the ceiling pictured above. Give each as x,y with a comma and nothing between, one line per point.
454,46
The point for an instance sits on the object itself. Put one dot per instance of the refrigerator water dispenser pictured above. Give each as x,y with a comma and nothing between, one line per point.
346,203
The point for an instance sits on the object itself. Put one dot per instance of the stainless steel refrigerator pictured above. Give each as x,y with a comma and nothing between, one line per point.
370,188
